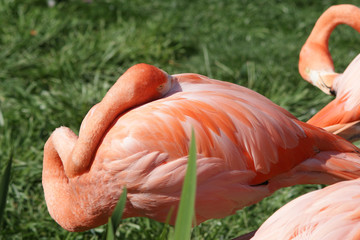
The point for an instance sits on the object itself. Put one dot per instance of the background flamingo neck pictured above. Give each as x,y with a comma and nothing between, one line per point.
335,15
315,55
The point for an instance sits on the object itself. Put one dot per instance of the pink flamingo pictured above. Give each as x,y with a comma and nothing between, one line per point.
315,63
330,213
342,115
138,137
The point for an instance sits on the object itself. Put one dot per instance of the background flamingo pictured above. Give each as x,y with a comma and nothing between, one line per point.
138,136
315,63
342,115
329,213
316,66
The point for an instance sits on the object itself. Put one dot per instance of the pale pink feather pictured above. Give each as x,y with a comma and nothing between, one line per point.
329,213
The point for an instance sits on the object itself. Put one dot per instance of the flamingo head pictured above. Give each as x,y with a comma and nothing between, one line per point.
316,66
145,82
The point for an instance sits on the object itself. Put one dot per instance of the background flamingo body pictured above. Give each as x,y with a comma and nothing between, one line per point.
329,213
247,147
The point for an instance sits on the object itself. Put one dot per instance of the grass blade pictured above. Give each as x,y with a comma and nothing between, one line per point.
165,231
186,207
117,214
4,187
115,219
110,233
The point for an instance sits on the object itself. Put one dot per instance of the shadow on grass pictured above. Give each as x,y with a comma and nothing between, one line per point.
4,187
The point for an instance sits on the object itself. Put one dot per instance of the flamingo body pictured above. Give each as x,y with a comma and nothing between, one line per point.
329,213
247,148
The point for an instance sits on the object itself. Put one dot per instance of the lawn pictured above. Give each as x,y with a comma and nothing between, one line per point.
57,62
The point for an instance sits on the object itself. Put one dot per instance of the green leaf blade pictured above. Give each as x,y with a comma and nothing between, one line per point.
115,219
4,187
118,211
186,209
110,233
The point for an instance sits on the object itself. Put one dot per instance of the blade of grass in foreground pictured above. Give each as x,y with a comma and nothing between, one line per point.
115,219
186,207
4,187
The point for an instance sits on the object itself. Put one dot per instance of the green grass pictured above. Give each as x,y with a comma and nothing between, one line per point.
58,62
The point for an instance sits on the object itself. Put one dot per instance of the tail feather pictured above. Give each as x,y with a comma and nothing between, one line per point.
326,167
343,165
349,131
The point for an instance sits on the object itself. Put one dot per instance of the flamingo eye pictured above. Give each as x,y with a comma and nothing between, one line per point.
159,88
164,87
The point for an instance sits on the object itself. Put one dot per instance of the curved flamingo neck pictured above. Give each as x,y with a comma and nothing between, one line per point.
52,164
332,17
70,202
315,55
101,116
56,184
135,87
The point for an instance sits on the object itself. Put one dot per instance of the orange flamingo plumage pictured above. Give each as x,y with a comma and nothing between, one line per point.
342,115
138,137
329,213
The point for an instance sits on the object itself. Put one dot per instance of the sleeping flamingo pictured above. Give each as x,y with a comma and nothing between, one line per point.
329,213
342,115
138,137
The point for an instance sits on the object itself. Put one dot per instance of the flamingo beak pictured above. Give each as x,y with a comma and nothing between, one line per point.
323,80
